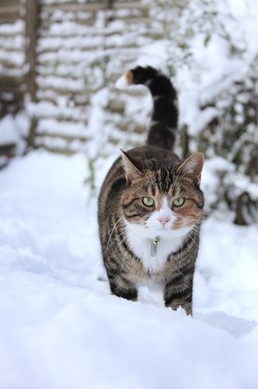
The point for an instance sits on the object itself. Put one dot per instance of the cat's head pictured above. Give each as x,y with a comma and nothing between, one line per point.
165,199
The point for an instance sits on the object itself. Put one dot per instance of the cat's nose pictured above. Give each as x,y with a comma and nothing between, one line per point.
163,220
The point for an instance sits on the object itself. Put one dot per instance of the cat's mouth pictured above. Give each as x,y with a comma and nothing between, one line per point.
159,230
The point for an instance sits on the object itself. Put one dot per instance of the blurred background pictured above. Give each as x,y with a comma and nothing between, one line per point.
59,60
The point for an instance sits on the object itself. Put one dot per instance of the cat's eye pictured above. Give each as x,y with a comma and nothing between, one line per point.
179,202
148,201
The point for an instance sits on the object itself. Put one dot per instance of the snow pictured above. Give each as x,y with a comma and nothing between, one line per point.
12,129
8,135
61,329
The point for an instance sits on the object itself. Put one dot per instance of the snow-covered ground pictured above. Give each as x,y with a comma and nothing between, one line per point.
61,329
59,326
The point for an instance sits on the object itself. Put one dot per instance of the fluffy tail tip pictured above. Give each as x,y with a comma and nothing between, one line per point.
124,81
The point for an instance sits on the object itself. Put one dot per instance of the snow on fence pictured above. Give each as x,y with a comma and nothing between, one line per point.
56,54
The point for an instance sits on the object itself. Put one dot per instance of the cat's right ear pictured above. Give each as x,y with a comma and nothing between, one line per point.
192,166
131,167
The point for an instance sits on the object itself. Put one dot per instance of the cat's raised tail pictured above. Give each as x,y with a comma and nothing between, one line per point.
164,121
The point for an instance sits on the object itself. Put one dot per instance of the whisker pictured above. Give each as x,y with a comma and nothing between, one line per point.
115,240
113,230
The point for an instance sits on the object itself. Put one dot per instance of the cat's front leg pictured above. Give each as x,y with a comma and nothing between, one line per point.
176,296
122,287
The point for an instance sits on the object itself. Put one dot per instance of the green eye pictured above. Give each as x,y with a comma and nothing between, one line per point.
179,202
148,201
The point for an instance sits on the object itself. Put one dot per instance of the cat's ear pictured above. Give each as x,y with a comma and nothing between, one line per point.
192,166
131,167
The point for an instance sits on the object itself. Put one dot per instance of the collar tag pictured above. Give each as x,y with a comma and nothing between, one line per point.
153,246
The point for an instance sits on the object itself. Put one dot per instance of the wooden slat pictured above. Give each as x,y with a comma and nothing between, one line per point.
68,138
9,15
12,85
62,145
129,5
9,18
9,10
76,7
96,6
8,3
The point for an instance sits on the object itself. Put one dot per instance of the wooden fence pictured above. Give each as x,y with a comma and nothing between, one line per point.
56,54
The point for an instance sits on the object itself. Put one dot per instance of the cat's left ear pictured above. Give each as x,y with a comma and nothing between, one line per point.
131,167
192,166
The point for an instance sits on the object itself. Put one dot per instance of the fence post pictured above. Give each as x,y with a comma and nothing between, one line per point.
31,30
108,6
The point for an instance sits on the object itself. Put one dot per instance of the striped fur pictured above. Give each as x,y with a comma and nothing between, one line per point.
158,243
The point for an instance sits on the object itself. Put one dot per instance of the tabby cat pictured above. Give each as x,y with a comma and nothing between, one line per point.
150,206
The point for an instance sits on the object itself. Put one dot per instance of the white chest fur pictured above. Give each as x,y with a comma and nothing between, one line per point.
140,240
